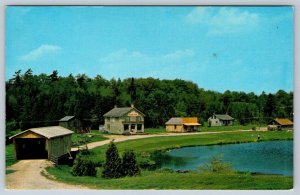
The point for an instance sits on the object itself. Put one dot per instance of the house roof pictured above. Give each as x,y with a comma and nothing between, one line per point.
118,112
224,117
174,121
179,121
66,118
48,132
283,121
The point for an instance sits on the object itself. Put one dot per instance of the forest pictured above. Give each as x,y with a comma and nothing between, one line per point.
41,100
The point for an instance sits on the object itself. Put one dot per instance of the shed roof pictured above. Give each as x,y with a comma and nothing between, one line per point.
66,118
118,112
179,121
174,121
48,132
283,121
224,117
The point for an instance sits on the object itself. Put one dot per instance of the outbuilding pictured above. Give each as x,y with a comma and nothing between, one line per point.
182,124
72,123
220,120
42,143
281,123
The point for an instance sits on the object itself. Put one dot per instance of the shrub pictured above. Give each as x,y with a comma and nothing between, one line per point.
113,165
129,164
83,167
217,165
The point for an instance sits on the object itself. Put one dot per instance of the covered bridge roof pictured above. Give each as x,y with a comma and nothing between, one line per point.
66,118
118,112
283,121
48,132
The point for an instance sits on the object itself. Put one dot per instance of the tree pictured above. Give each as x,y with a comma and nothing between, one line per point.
129,164
132,91
113,164
83,167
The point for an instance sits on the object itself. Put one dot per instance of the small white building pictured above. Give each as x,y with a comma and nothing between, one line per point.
220,120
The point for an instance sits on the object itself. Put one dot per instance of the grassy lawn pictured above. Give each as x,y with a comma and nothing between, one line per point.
205,128
94,136
228,128
160,179
9,155
155,130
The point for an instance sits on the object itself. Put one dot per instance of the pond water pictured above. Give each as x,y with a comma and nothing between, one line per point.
270,157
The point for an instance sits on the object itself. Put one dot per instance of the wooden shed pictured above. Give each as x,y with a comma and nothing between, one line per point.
42,143
282,123
182,124
72,123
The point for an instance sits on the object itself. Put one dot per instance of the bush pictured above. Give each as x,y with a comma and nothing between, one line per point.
129,164
113,165
83,167
217,165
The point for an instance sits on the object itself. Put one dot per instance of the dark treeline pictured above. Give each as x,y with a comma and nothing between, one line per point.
38,100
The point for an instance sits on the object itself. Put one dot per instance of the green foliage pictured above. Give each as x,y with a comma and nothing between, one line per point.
83,167
217,165
40,100
129,164
113,163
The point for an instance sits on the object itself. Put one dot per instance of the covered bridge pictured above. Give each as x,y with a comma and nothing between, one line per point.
42,143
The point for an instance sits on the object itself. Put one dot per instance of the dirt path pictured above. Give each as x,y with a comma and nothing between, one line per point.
26,174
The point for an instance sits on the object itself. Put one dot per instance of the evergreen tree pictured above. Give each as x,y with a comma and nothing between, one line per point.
83,167
113,164
129,164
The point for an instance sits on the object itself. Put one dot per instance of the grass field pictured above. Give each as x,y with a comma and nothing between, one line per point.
10,155
159,179
205,128
80,139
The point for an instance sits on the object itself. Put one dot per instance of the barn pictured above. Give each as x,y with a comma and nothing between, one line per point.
42,143
72,123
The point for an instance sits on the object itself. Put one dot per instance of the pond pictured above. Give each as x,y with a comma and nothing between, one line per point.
270,157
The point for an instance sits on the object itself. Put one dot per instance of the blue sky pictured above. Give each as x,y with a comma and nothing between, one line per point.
220,48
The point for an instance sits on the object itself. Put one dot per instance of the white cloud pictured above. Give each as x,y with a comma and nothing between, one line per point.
124,63
123,55
179,54
40,52
223,20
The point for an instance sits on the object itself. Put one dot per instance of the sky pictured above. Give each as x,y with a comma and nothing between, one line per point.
219,48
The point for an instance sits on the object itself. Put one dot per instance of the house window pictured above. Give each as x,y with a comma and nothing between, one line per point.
138,119
108,119
132,126
126,127
126,119
139,127
175,126
108,127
